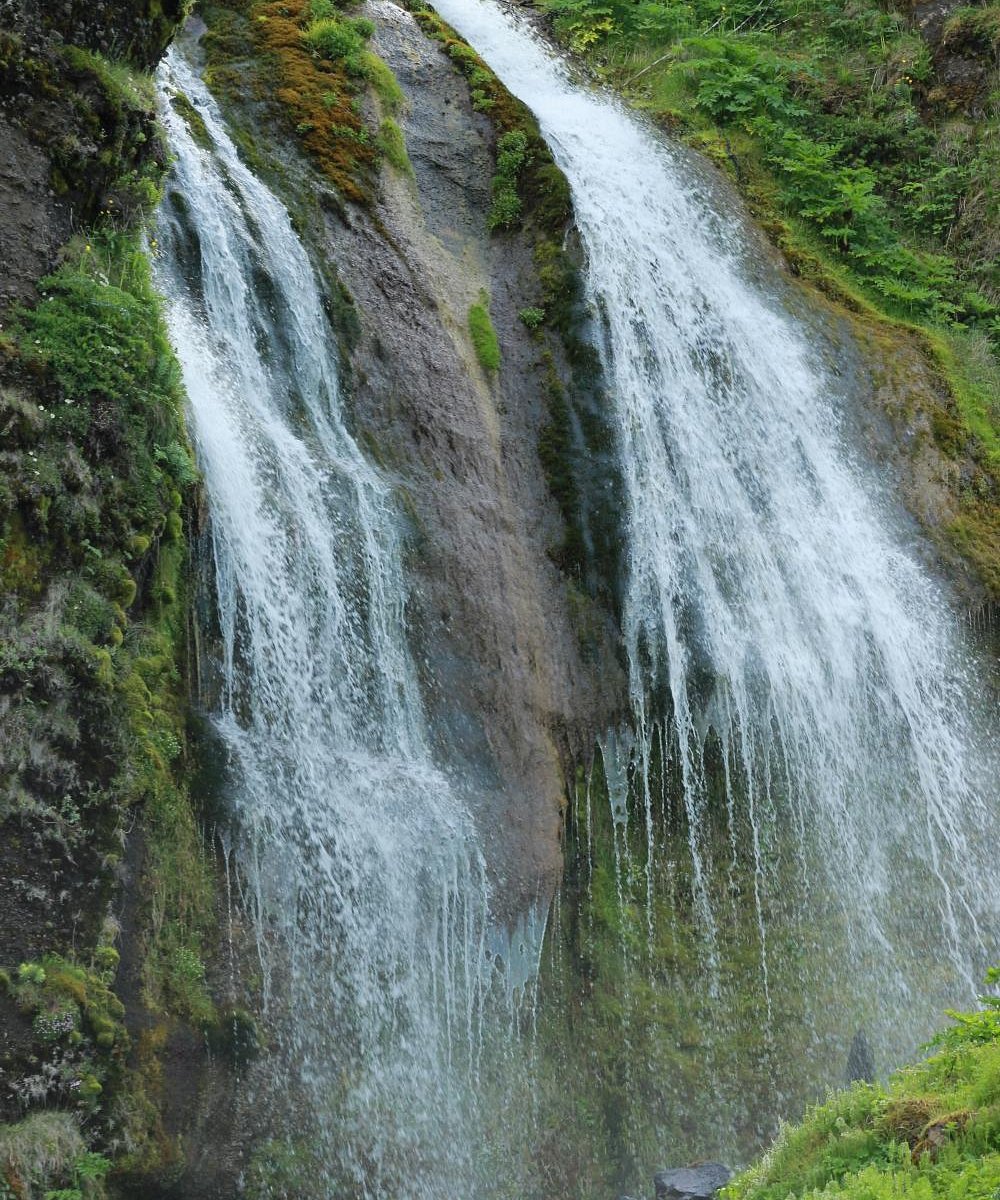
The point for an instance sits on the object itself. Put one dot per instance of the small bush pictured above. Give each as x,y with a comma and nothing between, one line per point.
512,157
341,41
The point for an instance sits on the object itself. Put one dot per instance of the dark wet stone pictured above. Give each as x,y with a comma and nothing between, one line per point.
860,1060
700,1182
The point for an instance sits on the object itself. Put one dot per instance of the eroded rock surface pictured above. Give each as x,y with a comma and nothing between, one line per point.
511,693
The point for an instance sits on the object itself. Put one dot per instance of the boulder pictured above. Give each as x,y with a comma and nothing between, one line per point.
699,1182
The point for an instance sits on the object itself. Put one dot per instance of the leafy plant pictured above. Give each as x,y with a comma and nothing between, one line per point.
512,157
341,39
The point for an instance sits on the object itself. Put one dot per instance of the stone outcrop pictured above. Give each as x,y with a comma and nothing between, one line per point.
700,1182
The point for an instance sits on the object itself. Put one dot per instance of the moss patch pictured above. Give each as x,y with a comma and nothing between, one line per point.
393,145
484,337
309,64
96,481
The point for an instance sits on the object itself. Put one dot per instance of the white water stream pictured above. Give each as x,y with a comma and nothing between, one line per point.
771,601
777,620
360,859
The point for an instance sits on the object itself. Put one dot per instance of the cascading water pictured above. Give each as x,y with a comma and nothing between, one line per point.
800,713
792,666
358,855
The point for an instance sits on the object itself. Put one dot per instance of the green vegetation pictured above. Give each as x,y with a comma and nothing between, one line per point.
284,1168
626,963
528,187
116,402
309,61
44,1156
77,1019
96,479
933,1132
512,156
340,39
871,156
384,83
629,999
532,317
393,145
484,337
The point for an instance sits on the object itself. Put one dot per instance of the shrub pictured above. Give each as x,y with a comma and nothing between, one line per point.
341,41
512,157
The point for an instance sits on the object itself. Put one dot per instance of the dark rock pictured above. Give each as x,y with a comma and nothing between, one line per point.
860,1060
699,1182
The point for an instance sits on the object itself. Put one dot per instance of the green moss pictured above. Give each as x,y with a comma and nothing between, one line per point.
393,145
75,1013
557,452
193,119
284,1168
310,81
100,335
97,480
384,83
308,65
484,338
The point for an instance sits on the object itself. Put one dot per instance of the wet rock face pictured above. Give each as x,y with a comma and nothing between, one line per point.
701,1182
138,30
964,58
34,223
512,695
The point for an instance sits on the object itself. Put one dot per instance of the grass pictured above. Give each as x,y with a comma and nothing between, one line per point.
38,1155
484,337
393,146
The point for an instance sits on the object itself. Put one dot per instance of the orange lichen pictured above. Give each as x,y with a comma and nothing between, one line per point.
317,95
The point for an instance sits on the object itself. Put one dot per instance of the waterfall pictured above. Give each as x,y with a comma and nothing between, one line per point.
803,705
357,853
793,666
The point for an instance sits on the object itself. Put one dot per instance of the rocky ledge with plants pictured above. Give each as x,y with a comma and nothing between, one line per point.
866,140
100,845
